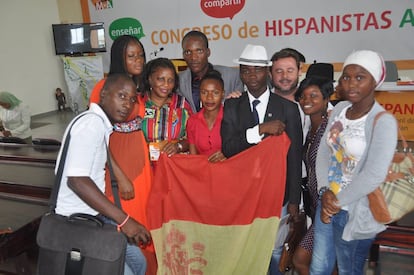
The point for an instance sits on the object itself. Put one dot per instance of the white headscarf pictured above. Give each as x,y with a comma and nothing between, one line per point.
370,61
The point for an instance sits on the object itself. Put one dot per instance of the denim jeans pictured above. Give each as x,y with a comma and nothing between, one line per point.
277,252
135,262
329,247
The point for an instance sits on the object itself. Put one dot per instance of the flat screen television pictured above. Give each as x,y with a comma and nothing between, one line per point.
79,38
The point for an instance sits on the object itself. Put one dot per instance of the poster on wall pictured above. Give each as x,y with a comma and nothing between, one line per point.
81,75
325,34
400,103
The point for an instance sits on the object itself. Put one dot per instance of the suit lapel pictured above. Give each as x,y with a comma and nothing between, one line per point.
274,108
246,116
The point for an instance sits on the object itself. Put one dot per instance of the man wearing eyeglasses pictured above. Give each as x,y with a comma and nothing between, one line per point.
196,53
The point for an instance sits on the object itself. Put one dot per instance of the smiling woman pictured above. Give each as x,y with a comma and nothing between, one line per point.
166,112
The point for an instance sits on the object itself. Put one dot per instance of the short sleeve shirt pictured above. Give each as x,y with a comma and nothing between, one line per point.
206,141
86,157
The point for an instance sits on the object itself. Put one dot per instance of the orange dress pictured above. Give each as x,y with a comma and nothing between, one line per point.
130,151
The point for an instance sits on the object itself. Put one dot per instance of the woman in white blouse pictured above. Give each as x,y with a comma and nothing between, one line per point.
14,118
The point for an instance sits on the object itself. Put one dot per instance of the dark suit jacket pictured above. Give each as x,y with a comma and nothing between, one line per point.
238,118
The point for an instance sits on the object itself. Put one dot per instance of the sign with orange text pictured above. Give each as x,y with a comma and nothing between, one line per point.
326,31
401,105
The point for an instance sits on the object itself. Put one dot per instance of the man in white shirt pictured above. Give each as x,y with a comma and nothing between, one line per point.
83,179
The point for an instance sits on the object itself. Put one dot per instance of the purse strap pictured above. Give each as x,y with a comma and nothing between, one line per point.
58,178
114,183
402,138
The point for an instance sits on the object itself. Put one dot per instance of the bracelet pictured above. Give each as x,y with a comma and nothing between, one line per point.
119,226
180,147
323,190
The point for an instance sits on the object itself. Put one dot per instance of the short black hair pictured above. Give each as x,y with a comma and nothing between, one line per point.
325,85
195,33
215,75
152,66
113,80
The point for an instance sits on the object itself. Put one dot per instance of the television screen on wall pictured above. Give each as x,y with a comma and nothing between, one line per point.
79,38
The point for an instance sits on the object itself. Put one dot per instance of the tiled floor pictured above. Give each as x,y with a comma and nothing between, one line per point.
52,125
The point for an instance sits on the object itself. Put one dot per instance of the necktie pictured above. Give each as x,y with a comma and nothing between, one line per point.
255,114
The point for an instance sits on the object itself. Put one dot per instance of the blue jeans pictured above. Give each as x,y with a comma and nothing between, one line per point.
329,247
277,252
135,262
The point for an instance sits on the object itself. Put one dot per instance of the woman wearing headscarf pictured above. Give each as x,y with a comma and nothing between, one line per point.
352,161
14,118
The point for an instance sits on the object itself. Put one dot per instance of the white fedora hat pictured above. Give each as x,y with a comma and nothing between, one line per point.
254,55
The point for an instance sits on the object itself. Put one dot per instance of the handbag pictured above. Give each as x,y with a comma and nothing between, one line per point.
296,232
307,201
80,244
395,196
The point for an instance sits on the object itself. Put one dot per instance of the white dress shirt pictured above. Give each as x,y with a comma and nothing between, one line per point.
252,134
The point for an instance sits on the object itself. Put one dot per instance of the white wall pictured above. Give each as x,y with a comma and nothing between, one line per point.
29,67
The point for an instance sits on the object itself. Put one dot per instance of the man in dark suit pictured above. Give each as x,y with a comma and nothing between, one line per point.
240,130
259,113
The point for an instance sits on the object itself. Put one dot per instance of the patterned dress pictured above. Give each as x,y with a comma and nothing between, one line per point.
167,122
310,151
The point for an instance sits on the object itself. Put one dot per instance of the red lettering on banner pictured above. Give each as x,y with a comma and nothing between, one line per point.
399,109
387,21
371,21
325,24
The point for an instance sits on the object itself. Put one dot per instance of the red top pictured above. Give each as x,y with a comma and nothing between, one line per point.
206,141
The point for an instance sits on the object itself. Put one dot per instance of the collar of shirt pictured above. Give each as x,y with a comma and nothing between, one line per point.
195,78
262,106
95,108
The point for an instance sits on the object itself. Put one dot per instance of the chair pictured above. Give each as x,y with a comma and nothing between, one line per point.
391,72
397,239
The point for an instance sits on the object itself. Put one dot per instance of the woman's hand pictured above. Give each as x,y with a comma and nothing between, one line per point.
234,94
7,133
171,148
126,189
329,206
216,157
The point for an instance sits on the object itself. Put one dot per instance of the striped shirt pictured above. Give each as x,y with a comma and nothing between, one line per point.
167,122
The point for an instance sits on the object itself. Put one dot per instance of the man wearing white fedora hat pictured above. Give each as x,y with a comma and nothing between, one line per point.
259,113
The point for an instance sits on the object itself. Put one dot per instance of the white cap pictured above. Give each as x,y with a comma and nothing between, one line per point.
370,61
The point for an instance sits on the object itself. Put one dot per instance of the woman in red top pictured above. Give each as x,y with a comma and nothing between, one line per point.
203,128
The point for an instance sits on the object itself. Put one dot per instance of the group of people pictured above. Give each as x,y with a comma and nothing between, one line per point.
144,109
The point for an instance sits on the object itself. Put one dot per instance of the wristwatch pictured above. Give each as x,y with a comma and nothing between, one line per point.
323,190
180,147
